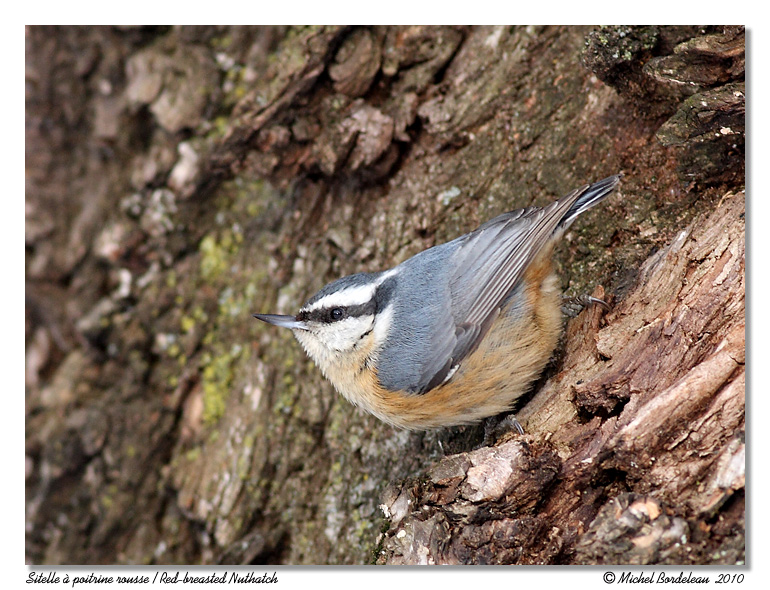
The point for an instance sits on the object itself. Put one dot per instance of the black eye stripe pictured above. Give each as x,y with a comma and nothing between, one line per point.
337,313
355,311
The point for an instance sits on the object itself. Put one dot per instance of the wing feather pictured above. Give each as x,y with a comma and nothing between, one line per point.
487,266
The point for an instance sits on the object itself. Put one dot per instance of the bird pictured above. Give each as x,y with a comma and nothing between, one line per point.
453,335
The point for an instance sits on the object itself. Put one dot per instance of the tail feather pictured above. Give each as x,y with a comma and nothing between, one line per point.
590,195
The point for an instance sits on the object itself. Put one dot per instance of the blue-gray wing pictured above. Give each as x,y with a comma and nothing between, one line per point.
486,266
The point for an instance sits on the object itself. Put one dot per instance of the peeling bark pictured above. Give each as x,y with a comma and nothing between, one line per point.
652,402
180,179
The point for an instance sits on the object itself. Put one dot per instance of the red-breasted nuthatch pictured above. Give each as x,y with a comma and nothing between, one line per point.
456,333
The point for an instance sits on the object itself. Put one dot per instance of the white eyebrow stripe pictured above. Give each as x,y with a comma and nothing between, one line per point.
345,298
386,275
357,295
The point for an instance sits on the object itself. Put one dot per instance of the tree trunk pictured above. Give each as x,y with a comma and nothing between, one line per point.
181,179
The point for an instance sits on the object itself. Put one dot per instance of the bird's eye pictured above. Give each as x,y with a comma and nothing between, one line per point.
337,314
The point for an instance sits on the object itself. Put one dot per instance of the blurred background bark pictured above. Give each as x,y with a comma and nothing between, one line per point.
180,179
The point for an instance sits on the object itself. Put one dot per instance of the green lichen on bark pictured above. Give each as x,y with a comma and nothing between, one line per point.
286,178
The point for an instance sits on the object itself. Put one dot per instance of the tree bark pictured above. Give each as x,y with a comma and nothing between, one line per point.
180,179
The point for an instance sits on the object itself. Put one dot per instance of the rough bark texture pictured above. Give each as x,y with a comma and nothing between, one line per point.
180,179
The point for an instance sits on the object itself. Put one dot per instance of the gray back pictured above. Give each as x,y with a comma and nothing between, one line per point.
448,296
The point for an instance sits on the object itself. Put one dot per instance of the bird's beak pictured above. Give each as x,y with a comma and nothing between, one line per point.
283,321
